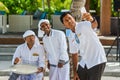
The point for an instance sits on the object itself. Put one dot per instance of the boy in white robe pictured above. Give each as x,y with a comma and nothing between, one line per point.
54,42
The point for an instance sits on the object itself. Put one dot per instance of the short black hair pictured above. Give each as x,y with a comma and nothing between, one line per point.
63,15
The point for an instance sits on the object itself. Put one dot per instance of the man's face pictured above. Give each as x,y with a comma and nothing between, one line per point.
45,27
69,22
30,39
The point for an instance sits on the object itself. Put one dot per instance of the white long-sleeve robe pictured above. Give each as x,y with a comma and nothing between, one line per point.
56,48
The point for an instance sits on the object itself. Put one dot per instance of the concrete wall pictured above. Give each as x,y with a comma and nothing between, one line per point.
3,23
19,23
56,22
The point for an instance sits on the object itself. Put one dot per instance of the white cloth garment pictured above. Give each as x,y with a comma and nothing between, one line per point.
91,50
35,56
55,44
40,33
56,73
73,45
56,48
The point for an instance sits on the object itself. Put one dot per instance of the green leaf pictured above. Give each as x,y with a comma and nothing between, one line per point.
3,7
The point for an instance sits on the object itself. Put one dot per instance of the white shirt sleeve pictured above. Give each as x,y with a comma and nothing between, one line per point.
42,57
46,52
16,54
63,47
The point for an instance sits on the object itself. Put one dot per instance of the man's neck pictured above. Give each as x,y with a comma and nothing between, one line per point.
48,33
30,45
73,29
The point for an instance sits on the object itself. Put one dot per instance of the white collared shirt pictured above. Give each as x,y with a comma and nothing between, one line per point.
56,46
91,49
73,45
34,56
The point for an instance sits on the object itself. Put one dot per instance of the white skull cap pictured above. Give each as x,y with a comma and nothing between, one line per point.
41,21
28,33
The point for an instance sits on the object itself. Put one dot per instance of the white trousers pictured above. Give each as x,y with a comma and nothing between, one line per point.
63,73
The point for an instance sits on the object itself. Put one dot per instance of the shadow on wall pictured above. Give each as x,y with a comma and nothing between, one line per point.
115,26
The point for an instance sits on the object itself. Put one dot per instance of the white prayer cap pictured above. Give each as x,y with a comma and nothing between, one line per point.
41,21
40,33
28,33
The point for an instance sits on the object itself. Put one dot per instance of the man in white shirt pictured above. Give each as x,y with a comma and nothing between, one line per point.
93,58
30,52
54,42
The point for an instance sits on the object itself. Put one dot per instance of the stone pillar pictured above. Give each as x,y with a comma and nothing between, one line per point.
105,14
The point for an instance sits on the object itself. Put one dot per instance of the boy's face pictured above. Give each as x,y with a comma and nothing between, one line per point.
69,22
45,27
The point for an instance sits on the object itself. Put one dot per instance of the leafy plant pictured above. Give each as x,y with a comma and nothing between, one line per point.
49,6
55,6
95,5
18,6
113,12
3,7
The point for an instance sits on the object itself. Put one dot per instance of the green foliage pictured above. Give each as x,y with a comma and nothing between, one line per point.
18,6
113,13
55,6
95,5
3,7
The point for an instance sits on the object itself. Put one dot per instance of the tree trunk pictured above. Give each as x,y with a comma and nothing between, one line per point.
87,5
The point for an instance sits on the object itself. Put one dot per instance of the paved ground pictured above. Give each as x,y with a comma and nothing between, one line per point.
112,68
46,78
112,71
